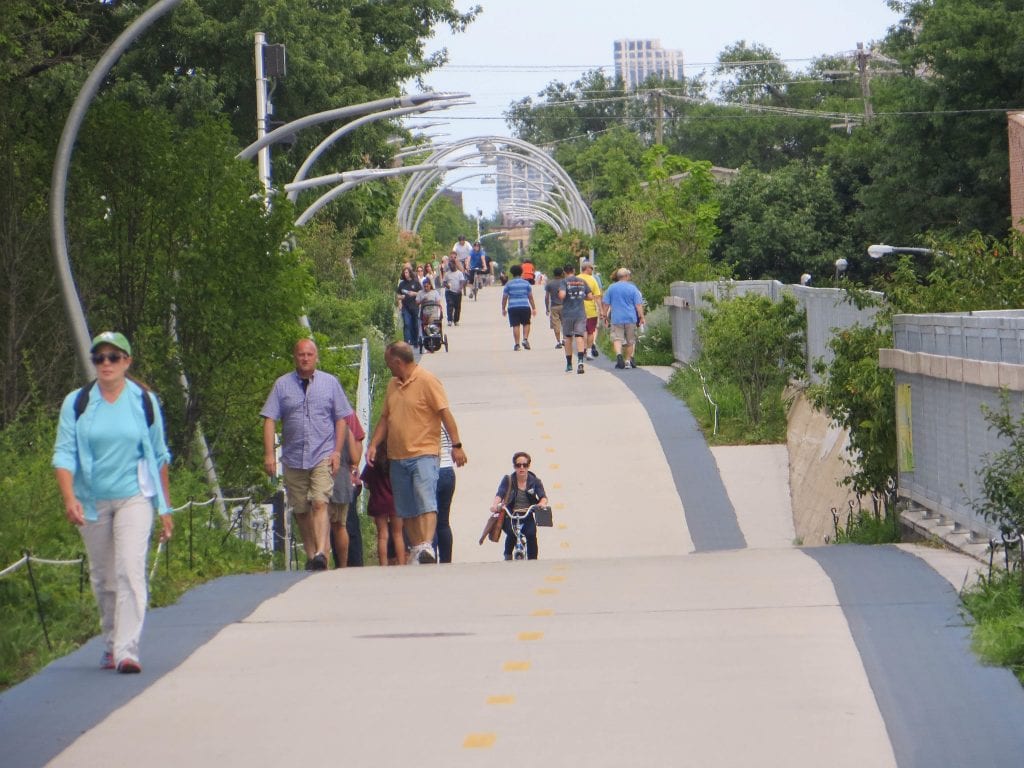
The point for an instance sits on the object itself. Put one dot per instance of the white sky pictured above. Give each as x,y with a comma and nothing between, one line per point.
516,47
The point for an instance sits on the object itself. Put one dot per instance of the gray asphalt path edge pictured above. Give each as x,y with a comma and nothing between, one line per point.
73,694
710,516
940,704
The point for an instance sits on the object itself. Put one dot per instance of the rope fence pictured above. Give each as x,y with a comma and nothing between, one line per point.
243,523
26,562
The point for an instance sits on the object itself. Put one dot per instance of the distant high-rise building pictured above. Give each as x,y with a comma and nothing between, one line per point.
518,186
636,60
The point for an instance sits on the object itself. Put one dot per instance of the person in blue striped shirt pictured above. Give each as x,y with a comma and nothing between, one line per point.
517,304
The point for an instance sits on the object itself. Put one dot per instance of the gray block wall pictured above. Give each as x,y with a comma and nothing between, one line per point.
951,437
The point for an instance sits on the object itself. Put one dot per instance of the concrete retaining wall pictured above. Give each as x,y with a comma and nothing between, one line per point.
827,309
954,364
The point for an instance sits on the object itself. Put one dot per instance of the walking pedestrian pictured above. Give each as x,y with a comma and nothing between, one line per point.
415,407
445,494
454,280
376,479
311,406
573,293
553,304
408,288
340,503
591,305
517,304
111,462
624,312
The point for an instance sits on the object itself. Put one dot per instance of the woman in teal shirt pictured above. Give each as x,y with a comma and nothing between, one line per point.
111,462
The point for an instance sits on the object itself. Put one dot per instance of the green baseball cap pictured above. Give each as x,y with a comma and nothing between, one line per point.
114,339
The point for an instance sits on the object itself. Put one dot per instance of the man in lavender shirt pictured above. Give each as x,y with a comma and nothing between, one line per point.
311,407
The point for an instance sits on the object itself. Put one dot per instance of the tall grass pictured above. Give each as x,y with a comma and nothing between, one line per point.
996,606
733,426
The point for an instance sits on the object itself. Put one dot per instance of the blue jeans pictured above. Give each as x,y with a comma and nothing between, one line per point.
414,485
410,326
445,492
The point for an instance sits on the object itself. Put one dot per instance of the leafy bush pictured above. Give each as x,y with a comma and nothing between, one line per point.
753,344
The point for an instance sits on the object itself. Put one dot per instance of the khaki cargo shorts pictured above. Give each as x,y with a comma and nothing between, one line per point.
304,486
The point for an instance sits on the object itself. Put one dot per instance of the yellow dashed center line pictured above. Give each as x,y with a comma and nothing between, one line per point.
554,578
552,466
543,612
515,666
563,527
479,741
547,591
528,637
564,545
501,699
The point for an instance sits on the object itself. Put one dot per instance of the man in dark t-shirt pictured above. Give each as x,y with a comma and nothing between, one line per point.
573,293
553,304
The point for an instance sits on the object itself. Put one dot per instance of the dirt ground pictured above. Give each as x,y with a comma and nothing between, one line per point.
816,465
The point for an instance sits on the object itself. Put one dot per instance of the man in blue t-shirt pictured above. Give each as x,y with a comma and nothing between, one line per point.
517,304
623,307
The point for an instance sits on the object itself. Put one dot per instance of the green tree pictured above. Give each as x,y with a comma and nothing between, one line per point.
781,224
588,107
662,229
936,157
755,344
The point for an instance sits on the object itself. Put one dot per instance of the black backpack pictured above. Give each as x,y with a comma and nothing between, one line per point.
82,400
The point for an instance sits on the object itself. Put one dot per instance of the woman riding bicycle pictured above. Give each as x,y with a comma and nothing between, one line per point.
518,492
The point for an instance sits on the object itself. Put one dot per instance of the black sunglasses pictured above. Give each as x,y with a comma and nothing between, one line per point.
520,465
112,357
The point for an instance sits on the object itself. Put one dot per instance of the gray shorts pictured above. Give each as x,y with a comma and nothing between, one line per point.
572,327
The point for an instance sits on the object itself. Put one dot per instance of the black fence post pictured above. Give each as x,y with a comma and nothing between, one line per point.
35,591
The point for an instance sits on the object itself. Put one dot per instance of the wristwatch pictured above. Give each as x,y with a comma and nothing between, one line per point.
456,445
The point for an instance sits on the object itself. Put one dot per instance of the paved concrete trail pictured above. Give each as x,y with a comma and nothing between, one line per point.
669,622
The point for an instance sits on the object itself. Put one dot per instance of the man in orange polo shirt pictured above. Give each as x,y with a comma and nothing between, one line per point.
415,407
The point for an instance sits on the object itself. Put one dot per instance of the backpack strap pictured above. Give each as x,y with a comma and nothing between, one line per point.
510,492
82,401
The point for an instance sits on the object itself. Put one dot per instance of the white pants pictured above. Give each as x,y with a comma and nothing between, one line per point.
117,545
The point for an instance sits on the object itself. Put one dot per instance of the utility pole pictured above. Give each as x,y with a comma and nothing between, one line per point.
263,112
865,81
659,128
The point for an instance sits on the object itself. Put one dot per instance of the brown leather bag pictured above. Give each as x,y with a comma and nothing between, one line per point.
492,529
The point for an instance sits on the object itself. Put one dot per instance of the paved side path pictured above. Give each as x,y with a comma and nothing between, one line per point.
669,621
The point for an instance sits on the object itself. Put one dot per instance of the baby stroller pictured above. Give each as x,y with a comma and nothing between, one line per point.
432,327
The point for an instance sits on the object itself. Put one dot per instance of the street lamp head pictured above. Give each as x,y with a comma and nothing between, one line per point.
841,265
880,250
805,278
